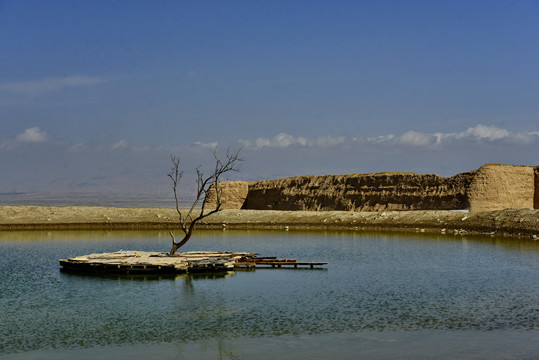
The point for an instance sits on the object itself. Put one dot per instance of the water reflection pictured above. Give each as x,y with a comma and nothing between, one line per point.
82,235
150,277
162,237
379,286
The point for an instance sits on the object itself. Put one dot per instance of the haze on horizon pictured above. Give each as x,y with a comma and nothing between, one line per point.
95,96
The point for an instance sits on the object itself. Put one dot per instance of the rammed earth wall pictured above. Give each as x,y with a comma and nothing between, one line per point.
491,187
497,187
536,195
360,192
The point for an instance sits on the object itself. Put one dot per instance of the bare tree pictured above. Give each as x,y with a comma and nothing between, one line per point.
204,183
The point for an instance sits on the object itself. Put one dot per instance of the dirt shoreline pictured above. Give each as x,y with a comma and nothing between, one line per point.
509,222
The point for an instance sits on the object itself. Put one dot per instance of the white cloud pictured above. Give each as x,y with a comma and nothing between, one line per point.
259,143
210,145
281,140
76,147
479,134
488,134
416,139
377,140
36,87
122,144
33,135
484,132
284,140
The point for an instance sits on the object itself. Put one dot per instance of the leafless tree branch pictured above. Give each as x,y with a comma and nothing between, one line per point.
230,163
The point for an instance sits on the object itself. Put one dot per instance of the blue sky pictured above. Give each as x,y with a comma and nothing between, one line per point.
96,95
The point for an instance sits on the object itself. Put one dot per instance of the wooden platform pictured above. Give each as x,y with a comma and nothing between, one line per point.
142,262
273,262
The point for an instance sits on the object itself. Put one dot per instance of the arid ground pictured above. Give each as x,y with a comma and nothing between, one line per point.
509,222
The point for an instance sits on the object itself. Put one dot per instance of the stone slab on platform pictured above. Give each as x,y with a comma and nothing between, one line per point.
143,262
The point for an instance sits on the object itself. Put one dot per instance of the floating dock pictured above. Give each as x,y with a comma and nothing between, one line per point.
143,262
273,262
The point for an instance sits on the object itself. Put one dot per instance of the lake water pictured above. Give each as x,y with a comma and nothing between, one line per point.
398,296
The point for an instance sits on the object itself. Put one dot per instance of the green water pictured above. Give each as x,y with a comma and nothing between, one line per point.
381,296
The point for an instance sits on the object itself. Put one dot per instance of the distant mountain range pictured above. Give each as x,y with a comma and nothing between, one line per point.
89,199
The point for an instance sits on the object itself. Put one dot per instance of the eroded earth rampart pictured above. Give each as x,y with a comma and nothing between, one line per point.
491,187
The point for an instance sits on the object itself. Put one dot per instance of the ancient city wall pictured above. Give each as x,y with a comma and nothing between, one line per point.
360,192
536,196
492,187
497,187
233,195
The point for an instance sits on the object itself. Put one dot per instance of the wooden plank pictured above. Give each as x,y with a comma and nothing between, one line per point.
283,263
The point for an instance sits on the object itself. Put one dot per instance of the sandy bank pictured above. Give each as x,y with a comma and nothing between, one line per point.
510,222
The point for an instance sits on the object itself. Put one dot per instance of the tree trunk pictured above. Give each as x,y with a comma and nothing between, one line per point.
176,246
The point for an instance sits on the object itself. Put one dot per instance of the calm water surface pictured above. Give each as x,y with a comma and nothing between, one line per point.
381,296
